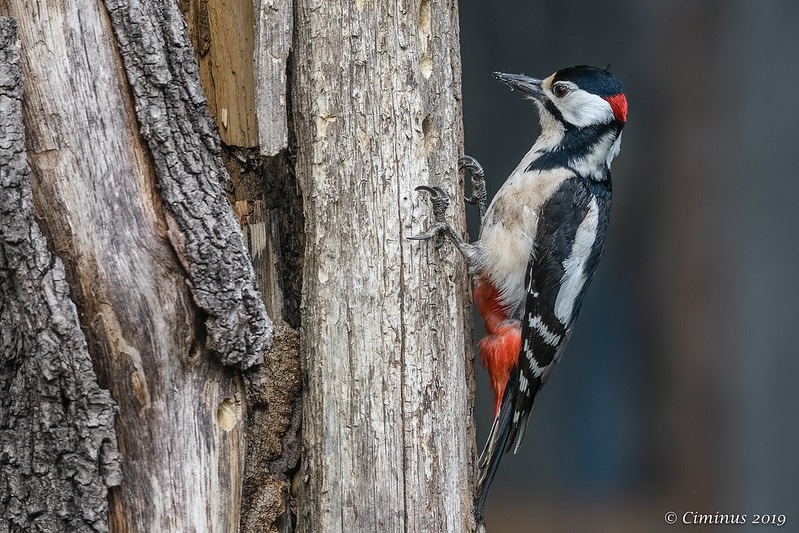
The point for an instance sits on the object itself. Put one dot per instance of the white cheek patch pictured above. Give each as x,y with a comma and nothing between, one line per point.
583,109
574,265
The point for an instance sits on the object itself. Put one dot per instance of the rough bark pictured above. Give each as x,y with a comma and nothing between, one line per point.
387,421
184,146
270,211
58,450
154,256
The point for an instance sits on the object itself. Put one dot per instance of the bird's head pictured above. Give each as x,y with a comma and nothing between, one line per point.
574,97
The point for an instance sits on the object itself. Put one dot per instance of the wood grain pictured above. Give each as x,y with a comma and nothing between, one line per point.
274,27
128,184
176,126
387,428
58,448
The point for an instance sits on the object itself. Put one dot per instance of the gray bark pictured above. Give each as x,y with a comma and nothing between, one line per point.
269,209
387,421
173,117
128,185
58,450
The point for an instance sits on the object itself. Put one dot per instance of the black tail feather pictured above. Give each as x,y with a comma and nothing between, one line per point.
496,444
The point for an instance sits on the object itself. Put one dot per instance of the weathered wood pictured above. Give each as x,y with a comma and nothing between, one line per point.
223,33
271,215
242,48
154,256
387,421
260,233
175,124
274,25
58,450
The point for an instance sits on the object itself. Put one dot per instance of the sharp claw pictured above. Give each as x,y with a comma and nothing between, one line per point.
440,200
435,192
477,174
439,231
432,190
429,234
467,162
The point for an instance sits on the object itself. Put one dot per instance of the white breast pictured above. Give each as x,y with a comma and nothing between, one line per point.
509,229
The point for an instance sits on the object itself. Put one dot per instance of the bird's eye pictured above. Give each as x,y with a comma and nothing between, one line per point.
560,90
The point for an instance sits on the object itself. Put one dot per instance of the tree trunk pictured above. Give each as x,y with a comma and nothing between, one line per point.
128,186
387,415
242,49
50,397
128,183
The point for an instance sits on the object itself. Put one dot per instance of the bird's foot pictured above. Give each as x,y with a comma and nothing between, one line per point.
439,230
476,173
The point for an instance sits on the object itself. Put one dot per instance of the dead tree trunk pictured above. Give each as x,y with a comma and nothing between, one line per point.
50,399
387,421
242,48
129,182
128,187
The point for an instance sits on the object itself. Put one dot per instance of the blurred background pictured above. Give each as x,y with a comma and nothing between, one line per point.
679,390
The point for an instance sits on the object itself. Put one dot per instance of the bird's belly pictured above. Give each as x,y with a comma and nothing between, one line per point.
510,225
506,252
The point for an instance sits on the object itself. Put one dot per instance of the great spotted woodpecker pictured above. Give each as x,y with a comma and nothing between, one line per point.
540,243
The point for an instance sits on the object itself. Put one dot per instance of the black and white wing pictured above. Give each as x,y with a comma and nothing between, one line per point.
569,241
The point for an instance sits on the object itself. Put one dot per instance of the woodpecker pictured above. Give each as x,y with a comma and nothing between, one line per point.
540,241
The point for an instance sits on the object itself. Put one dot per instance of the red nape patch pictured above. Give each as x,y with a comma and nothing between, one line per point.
499,349
618,103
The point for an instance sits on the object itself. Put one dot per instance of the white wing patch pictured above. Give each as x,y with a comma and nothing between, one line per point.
574,265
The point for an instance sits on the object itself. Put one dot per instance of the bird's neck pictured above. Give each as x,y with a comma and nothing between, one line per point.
587,151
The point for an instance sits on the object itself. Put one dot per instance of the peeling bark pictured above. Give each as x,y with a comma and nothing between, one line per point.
269,209
128,184
171,108
58,449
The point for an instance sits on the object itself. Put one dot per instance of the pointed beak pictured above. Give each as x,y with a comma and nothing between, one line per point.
529,86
